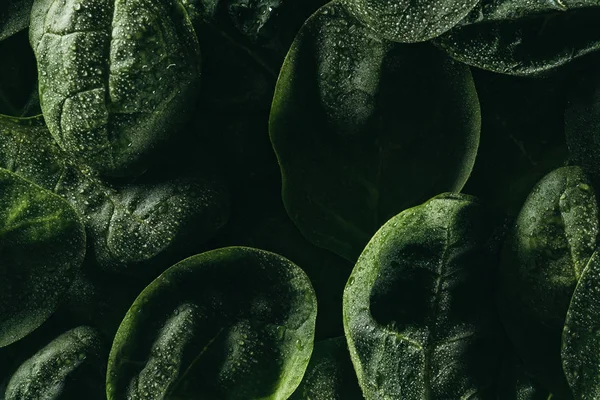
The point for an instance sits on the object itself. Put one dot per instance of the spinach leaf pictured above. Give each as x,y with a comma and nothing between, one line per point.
71,366
330,375
580,339
363,124
128,224
234,323
115,76
552,241
410,21
14,17
582,120
524,37
42,245
418,308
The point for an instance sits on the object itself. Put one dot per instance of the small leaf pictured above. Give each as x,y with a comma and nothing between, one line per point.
42,246
330,375
232,323
418,308
363,124
524,37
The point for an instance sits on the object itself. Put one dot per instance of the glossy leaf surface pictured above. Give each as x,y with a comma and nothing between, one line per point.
42,245
418,308
552,241
363,124
127,224
525,37
71,366
232,323
114,76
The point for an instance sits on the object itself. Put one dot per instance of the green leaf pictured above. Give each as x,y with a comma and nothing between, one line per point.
553,238
363,124
232,323
418,308
42,246
516,383
115,77
524,37
409,21
330,375
14,17
127,224
71,366
581,339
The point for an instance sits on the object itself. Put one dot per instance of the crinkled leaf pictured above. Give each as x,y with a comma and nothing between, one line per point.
14,17
363,124
418,308
553,238
409,21
525,37
71,366
115,76
42,246
126,224
330,374
232,323
581,335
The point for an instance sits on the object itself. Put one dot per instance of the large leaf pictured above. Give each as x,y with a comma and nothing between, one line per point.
232,323
419,314
410,21
115,76
553,238
365,128
71,366
525,37
330,375
42,245
127,224
581,335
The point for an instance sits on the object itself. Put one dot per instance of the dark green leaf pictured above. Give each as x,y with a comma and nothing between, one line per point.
42,245
70,367
330,374
516,383
581,334
232,323
365,128
525,37
410,21
126,224
115,77
553,238
14,17
419,314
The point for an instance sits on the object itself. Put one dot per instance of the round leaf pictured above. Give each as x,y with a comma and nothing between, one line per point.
365,128
418,307
234,323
